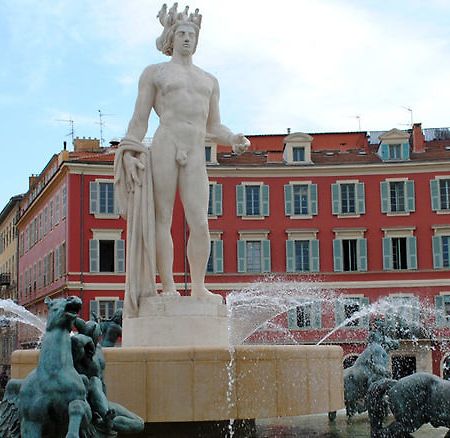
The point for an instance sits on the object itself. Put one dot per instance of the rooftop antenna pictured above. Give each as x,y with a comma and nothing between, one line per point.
72,131
407,108
358,117
102,124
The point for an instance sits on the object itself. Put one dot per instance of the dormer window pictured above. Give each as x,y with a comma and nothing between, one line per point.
394,146
210,153
298,154
297,148
395,151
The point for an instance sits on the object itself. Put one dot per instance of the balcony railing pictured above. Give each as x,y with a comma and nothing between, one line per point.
5,279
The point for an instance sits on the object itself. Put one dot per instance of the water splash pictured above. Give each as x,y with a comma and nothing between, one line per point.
16,313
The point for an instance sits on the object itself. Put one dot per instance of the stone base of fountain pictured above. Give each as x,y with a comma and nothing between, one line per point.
186,384
162,322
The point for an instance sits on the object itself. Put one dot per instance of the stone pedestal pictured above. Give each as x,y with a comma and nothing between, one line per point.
175,321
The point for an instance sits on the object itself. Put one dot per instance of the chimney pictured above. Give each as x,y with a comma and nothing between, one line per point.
418,139
32,181
86,144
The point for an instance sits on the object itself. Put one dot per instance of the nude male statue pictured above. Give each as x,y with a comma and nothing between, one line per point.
186,99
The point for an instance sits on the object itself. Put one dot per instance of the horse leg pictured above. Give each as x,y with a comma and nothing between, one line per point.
398,430
30,429
79,410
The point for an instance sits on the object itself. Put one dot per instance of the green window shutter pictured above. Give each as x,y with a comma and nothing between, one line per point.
384,152
120,255
314,255
93,308
335,196
412,252
316,317
361,202
94,262
240,200
439,311
339,315
290,256
242,257
387,253
313,199
217,199
384,191
437,252
265,199
288,199
337,255
266,255
405,151
411,204
119,304
435,198
93,197
362,254
292,318
218,253
364,321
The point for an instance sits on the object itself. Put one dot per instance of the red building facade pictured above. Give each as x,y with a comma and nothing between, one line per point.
366,218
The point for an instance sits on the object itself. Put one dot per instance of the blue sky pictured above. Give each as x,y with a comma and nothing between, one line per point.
312,66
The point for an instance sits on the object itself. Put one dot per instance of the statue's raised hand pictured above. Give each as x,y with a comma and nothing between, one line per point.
132,166
240,143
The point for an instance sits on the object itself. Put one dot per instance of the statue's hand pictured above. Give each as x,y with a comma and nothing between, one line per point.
132,165
240,143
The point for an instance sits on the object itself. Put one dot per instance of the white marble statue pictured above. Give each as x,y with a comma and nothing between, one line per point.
186,99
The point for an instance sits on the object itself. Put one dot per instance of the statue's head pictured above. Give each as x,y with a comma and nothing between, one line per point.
62,312
174,21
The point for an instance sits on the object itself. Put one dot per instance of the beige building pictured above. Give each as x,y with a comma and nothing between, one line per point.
8,274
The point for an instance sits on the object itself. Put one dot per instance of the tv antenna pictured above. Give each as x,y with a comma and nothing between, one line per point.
358,117
407,108
101,122
72,131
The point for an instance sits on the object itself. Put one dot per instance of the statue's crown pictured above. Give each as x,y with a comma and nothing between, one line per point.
170,17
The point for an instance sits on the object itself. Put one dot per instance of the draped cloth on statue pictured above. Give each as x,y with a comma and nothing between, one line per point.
138,208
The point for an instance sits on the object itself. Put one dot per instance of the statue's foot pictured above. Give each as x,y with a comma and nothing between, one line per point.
204,294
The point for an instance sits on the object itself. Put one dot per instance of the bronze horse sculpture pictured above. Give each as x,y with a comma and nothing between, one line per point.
414,400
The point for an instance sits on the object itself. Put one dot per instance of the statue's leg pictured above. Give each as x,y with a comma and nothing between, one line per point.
165,175
125,420
194,193
30,429
79,411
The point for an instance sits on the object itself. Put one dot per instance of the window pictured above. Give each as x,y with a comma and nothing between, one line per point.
300,199
215,200
305,316
399,253
107,255
397,196
440,194
350,255
215,261
254,255
348,198
102,198
395,151
298,154
302,255
208,154
104,308
441,251
252,200
347,307
64,202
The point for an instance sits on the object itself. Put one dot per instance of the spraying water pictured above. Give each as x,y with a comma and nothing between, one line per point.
16,313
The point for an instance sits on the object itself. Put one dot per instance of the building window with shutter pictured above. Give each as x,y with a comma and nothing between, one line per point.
215,261
215,200
298,154
350,251
104,308
399,250
302,253
397,197
252,200
441,246
440,195
208,154
300,200
347,311
306,316
107,252
395,152
102,199
348,198
253,252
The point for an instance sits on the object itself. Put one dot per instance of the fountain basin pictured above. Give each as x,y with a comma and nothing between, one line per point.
174,384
